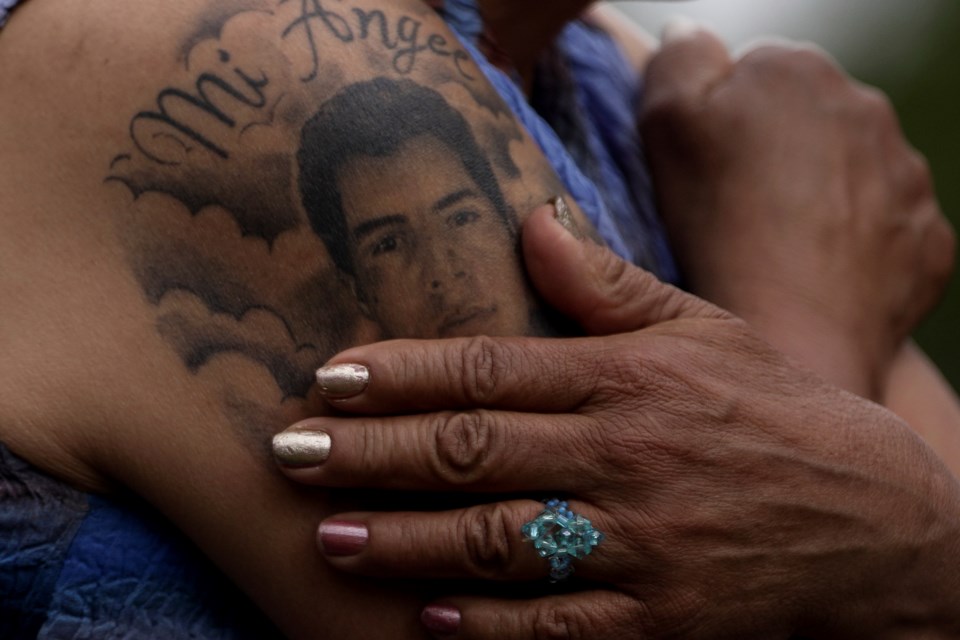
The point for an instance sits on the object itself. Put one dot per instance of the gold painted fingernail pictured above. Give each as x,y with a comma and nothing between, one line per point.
342,381
563,215
301,448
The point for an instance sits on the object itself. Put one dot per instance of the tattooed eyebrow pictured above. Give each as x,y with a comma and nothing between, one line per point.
366,228
454,198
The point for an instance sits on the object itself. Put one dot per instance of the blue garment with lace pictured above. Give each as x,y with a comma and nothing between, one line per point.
74,565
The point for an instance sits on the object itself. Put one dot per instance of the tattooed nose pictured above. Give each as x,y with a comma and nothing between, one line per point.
437,284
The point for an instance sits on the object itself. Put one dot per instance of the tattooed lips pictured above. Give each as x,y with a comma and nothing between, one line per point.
455,323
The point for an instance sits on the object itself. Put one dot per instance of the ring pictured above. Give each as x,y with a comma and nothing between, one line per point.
561,536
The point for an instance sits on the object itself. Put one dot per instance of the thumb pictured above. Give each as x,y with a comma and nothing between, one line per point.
596,288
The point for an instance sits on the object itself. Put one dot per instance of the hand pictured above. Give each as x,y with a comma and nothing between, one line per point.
740,497
793,200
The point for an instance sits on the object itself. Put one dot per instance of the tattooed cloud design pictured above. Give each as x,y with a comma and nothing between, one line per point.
215,231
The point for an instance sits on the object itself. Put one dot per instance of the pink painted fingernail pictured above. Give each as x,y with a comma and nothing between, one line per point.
339,538
441,620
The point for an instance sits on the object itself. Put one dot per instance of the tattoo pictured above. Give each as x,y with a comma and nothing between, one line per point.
264,226
403,36
200,105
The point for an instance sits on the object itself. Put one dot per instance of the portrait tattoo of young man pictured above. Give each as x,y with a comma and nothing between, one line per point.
324,173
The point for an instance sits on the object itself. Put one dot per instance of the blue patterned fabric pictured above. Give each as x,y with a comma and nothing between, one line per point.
605,93
39,518
75,566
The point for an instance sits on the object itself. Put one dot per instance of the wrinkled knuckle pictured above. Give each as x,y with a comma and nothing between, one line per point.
463,445
486,532
483,364
620,281
555,623
873,98
875,107
667,117
921,167
627,369
918,174
795,61
766,59
623,387
811,59
375,449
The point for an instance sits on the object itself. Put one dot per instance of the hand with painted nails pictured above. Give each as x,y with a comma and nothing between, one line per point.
794,200
738,495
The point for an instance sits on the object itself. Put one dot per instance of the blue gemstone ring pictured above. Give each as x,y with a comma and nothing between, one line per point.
561,536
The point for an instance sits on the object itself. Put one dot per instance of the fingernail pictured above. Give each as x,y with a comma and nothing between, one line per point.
342,381
563,215
441,620
301,448
341,538
679,27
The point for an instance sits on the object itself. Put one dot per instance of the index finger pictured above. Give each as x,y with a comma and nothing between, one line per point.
519,374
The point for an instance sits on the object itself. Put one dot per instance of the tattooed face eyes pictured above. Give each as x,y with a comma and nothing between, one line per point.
385,244
392,241
432,257
464,217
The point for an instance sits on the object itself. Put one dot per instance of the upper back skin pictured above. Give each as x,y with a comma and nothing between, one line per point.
165,292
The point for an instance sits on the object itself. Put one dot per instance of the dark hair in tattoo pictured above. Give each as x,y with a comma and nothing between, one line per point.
375,119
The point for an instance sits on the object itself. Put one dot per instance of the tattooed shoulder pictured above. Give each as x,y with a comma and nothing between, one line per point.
322,173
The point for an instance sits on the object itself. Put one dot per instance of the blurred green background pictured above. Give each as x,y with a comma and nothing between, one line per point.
928,101
908,48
